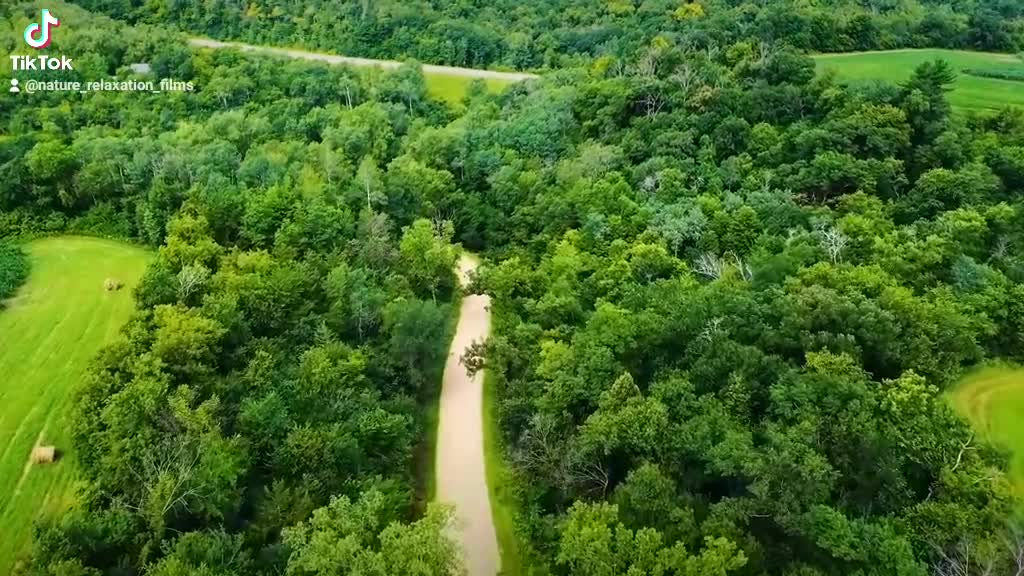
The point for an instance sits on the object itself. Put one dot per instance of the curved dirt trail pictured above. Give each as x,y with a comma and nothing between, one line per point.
353,61
461,476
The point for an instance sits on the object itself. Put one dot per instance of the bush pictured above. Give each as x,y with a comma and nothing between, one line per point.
101,220
13,268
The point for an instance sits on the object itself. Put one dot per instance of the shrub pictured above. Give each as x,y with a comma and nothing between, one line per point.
13,268
1002,73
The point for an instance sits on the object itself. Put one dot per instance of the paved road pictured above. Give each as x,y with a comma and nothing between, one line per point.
461,477
351,61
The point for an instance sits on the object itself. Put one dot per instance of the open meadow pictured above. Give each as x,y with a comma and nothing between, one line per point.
451,88
49,332
992,398
969,92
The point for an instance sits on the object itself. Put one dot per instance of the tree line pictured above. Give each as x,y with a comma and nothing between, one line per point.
13,269
557,33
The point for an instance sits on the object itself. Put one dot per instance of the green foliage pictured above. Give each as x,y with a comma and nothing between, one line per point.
428,258
555,32
14,268
728,292
365,538
1015,74
419,339
594,543
676,368
286,332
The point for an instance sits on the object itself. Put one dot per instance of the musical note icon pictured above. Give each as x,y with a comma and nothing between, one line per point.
37,35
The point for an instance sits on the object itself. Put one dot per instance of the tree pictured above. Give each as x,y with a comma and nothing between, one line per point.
417,338
413,188
940,190
185,341
189,243
834,242
204,554
369,183
428,257
365,538
925,100
51,166
14,268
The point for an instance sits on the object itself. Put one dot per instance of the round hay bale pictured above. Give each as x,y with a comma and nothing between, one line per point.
112,285
44,454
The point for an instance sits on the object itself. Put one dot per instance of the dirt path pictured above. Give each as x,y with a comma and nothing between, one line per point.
351,61
461,477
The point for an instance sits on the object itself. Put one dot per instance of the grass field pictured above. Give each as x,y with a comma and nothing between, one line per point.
52,328
969,92
992,398
453,88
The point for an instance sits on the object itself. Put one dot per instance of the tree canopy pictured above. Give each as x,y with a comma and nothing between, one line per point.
728,292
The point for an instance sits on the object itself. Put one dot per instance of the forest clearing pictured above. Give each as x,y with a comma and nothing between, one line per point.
49,333
992,398
970,92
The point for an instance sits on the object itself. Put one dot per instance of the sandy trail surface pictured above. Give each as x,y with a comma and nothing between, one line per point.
351,61
461,476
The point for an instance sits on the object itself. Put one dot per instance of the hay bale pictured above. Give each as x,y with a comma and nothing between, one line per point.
44,454
112,285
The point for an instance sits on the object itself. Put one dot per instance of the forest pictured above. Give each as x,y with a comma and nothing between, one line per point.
13,269
560,33
729,292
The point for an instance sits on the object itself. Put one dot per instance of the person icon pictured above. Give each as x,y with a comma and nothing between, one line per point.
14,86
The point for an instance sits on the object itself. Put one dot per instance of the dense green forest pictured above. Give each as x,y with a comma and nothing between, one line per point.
289,333
552,33
729,292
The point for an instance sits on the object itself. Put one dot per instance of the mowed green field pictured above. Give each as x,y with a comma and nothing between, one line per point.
969,92
992,398
49,332
453,88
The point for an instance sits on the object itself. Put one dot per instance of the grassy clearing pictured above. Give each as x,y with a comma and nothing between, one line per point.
453,88
970,93
992,398
49,333
499,480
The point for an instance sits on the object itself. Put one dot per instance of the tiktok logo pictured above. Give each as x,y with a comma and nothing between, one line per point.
37,35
